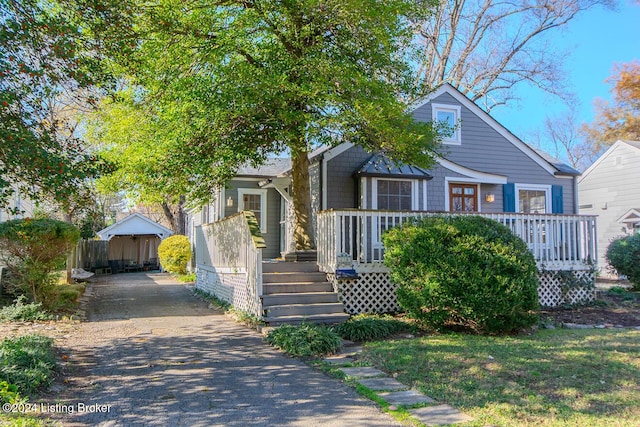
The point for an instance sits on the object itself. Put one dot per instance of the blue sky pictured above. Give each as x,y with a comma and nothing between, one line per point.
596,41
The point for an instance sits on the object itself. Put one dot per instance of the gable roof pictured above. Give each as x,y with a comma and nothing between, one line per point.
134,224
548,163
632,216
380,165
272,167
606,154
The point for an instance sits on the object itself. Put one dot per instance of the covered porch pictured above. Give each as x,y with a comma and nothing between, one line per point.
562,245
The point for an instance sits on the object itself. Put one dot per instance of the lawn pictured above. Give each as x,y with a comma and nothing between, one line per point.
551,378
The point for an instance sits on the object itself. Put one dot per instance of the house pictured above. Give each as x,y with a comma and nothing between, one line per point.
356,195
609,189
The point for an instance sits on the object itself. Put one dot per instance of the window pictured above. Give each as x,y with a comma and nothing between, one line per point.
394,195
463,198
255,201
533,199
450,115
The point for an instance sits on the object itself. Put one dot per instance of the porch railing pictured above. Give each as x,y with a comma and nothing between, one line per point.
232,246
556,241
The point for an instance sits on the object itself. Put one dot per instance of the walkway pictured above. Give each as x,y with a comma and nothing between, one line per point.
152,354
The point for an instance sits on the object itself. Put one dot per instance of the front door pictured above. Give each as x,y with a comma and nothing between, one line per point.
463,198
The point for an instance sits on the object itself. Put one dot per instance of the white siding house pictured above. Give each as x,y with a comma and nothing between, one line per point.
610,188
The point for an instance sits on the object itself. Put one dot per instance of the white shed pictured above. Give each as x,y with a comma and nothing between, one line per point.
133,242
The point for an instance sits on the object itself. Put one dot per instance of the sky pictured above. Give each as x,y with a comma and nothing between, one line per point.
596,41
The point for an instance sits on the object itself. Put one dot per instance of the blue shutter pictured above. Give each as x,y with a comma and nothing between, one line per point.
509,197
557,203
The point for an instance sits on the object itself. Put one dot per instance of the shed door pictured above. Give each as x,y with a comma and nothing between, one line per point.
463,198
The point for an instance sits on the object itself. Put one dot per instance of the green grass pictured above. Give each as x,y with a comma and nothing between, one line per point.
551,378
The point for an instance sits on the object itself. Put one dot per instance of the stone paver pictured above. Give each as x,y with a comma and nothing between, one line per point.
362,372
406,398
439,415
382,384
339,360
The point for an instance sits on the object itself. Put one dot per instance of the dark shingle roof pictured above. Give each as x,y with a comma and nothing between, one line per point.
380,165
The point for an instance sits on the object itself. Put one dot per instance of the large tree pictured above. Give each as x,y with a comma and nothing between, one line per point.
620,118
228,82
486,48
135,142
45,69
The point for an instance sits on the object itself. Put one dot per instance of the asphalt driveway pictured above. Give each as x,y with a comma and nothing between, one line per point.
152,354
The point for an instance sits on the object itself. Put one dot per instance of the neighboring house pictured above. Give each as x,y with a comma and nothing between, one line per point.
22,205
356,195
609,189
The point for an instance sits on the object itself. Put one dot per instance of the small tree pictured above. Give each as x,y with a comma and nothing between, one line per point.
623,255
174,253
33,249
463,272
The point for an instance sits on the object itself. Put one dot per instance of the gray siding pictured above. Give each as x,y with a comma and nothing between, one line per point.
484,149
272,236
341,185
611,188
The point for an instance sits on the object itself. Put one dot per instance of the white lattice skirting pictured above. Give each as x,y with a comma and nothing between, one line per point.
374,293
229,286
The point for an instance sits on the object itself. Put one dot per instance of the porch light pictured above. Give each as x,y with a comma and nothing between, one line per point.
230,202
490,197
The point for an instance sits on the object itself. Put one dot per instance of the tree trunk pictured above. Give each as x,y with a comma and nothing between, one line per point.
302,226
176,215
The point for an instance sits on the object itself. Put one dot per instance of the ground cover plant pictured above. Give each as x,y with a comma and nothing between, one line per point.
463,272
369,327
306,340
551,378
27,362
20,311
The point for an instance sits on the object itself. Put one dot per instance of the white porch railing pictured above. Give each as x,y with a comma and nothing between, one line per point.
229,256
558,242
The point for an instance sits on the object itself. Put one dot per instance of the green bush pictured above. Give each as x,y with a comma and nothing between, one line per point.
367,327
33,250
174,253
623,255
463,272
306,340
28,362
21,312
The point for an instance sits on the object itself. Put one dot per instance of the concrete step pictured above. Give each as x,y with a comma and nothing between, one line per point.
327,319
293,277
299,287
299,298
304,309
289,267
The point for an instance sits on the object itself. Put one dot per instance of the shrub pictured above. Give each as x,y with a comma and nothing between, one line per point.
21,312
623,255
27,362
366,327
463,272
306,340
33,250
174,253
